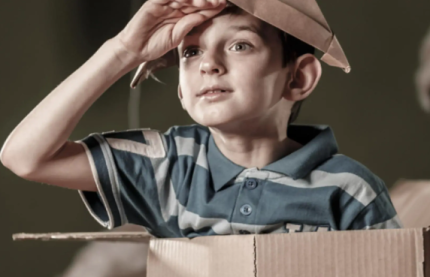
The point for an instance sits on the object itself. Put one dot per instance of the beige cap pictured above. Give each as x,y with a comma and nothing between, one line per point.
302,19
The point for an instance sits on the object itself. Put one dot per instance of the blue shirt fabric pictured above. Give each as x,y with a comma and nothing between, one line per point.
179,184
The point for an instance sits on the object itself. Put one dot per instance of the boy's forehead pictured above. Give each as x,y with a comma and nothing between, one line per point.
232,22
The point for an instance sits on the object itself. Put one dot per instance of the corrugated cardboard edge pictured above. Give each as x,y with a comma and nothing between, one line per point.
404,245
94,236
226,256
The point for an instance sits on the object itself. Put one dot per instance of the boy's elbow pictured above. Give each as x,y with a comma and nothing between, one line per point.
4,158
21,168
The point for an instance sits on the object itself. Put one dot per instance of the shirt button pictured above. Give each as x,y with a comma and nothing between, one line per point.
244,232
251,184
246,209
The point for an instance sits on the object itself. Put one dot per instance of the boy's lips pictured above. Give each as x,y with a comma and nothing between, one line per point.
213,90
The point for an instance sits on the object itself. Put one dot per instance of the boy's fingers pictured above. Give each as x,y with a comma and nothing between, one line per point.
188,10
195,3
176,5
217,5
211,13
200,4
185,25
161,2
189,6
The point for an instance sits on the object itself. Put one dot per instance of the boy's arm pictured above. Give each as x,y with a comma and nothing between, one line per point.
38,149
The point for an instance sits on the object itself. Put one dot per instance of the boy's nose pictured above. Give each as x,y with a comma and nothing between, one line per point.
211,66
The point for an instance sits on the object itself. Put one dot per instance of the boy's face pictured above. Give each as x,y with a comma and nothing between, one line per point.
231,71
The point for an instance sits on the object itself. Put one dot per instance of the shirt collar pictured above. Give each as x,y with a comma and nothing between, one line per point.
222,169
319,144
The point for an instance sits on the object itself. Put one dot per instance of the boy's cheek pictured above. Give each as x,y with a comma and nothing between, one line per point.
187,86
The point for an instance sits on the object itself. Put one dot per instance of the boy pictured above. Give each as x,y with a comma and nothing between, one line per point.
239,171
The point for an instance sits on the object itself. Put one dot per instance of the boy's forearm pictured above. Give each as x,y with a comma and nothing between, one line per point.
47,127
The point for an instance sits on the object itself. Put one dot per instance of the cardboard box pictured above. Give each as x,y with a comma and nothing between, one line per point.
372,253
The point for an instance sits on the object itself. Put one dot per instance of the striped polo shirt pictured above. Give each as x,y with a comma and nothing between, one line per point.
179,184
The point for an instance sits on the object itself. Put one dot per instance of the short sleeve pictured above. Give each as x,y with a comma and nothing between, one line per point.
122,164
378,214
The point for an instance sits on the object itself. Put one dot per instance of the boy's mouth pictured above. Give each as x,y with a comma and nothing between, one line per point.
213,90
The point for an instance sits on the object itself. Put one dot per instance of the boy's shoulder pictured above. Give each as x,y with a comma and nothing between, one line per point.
322,163
198,133
346,171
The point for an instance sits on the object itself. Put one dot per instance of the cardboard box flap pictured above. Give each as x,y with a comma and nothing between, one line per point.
226,256
100,236
373,253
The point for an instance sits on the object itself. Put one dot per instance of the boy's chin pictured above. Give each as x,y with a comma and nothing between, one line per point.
219,122
213,123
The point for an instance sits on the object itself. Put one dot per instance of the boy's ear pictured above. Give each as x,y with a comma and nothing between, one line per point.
180,96
304,76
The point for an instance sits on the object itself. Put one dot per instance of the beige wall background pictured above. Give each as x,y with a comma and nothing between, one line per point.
373,110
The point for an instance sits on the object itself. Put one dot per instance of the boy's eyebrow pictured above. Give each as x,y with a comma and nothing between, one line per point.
237,28
251,28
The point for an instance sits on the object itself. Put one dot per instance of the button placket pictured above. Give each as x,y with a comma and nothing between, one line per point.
247,202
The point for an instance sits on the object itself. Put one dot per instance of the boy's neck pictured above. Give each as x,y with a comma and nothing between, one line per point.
256,148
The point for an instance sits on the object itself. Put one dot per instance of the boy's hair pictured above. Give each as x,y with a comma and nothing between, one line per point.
292,49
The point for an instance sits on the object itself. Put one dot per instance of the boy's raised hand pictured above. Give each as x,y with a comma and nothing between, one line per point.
160,25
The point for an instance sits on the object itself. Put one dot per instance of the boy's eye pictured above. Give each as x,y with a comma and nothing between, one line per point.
190,52
241,46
